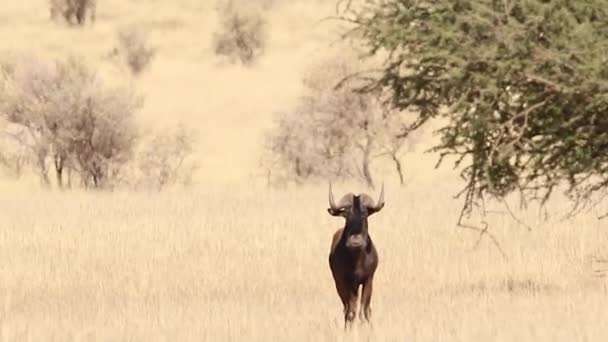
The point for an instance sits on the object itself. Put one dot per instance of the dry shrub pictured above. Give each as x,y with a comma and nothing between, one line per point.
242,32
334,133
165,160
13,156
133,48
64,120
73,11
72,121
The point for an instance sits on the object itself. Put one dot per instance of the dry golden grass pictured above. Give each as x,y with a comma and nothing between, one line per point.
228,262
234,264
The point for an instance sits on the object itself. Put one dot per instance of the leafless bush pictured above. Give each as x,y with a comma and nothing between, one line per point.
73,11
13,156
333,133
166,160
71,120
242,32
12,164
134,49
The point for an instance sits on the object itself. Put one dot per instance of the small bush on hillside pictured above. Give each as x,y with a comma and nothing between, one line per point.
73,11
166,160
241,34
60,118
134,49
73,120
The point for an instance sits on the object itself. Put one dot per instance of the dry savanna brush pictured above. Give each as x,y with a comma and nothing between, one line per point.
259,170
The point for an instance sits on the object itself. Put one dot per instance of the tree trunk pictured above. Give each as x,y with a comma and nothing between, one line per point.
365,167
44,176
69,178
297,168
81,10
59,170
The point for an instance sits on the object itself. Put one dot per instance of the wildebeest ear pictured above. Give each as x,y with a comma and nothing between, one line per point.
334,212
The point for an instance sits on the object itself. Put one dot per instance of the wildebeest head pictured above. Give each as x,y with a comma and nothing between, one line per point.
356,210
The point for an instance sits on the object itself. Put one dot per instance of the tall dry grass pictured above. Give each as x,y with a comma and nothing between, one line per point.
219,265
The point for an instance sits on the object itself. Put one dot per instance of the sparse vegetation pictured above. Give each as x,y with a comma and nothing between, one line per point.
72,120
166,160
70,123
133,49
334,133
242,32
73,11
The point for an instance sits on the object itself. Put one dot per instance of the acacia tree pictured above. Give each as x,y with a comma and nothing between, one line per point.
333,132
522,85
133,49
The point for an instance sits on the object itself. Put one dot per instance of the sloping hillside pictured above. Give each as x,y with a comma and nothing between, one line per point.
228,106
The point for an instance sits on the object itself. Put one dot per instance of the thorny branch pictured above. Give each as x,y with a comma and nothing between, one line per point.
483,231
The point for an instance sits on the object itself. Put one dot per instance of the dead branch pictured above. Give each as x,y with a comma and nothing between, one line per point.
482,231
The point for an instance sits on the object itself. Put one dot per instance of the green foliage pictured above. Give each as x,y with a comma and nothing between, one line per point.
522,84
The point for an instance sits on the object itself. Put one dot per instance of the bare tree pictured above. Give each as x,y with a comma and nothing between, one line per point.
333,131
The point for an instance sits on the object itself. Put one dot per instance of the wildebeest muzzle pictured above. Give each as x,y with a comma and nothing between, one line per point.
355,241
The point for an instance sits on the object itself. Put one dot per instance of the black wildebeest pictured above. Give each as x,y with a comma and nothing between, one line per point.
353,258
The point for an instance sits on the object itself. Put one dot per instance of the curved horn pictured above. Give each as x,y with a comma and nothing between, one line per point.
332,203
380,202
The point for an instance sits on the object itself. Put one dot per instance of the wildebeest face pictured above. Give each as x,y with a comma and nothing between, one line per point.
355,210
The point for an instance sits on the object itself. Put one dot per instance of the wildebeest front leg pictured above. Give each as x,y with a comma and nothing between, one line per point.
366,298
351,309
343,292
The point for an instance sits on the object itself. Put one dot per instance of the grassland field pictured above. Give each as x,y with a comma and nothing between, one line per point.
229,259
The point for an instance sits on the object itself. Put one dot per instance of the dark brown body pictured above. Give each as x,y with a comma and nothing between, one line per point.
353,258
351,269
